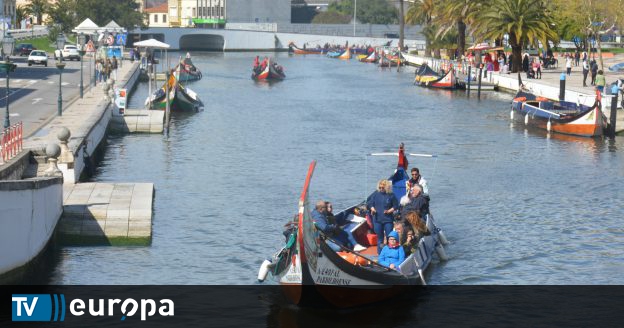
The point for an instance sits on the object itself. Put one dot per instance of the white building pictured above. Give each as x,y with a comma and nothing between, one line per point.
158,16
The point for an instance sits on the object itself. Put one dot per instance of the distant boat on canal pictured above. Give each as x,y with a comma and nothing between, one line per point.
427,77
307,267
268,71
559,116
187,71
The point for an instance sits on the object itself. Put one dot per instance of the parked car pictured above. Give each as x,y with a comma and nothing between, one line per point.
69,52
23,49
38,57
617,67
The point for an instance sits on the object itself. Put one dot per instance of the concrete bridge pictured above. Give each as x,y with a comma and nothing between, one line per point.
206,39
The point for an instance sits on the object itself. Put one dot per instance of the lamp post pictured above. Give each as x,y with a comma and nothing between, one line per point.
60,43
7,47
94,37
81,41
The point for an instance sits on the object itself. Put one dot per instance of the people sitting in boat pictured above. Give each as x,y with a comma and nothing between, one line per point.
410,244
417,179
416,201
382,205
417,224
333,231
264,63
392,255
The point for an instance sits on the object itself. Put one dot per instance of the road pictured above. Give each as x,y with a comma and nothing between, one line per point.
33,97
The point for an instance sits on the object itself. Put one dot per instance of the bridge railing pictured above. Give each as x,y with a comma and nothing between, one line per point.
11,141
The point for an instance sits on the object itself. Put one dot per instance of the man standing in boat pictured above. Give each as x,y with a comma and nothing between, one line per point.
332,230
417,179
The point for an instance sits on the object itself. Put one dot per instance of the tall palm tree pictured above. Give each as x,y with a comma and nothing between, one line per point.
20,14
421,12
525,21
401,24
37,8
454,15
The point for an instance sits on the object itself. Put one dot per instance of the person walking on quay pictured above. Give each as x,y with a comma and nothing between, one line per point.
593,67
568,64
577,58
585,72
601,81
114,65
98,71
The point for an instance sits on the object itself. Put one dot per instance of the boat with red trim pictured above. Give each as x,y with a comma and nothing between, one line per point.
310,271
269,71
293,49
427,77
559,116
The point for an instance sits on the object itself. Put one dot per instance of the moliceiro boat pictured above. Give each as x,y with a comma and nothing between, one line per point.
187,70
181,98
427,77
559,116
310,269
293,49
269,71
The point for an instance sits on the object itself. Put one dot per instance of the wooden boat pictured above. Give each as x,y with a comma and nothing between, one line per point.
187,70
293,49
271,72
181,98
372,58
386,61
559,116
427,77
310,271
340,54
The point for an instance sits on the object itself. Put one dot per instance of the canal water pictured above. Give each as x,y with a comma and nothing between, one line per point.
519,206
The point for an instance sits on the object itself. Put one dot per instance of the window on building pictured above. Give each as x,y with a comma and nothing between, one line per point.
164,18
155,18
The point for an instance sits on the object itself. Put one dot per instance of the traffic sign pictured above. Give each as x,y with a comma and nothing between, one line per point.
90,47
120,39
110,40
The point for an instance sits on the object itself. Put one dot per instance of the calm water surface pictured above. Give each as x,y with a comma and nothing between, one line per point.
519,207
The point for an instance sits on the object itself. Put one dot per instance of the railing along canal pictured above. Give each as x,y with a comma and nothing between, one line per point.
11,141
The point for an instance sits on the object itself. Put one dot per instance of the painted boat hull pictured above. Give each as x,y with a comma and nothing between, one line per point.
293,49
269,74
447,81
314,273
583,121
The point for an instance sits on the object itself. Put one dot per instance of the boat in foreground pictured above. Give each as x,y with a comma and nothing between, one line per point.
559,116
309,270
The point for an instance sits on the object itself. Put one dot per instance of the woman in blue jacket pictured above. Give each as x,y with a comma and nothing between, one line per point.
392,255
382,204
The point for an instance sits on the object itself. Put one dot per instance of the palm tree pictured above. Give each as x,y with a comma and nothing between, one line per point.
37,8
421,12
20,14
525,21
401,24
454,15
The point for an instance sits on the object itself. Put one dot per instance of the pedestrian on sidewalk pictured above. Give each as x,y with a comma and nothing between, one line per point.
585,72
114,65
98,71
577,58
601,81
568,64
593,67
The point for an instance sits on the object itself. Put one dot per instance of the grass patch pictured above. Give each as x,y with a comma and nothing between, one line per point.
43,43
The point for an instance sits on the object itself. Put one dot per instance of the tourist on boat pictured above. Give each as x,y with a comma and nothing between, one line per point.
333,231
256,62
416,201
392,255
410,244
418,225
417,179
382,205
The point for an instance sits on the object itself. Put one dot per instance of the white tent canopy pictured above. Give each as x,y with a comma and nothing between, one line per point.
151,43
87,27
112,27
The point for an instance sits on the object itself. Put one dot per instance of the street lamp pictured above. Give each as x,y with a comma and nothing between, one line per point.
81,41
94,41
60,43
7,47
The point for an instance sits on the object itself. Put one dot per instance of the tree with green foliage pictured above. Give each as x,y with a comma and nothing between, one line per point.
124,12
454,15
331,17
63,14
525,21
421,12
368,11
37,8
20,14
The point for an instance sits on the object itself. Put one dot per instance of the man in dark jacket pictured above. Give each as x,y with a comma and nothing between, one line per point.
417,202
594,71
319,215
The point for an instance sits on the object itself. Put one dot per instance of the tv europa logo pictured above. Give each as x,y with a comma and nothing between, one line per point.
51,307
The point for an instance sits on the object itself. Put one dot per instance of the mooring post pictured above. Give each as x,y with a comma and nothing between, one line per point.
479,84
613,116
469,78
562,82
